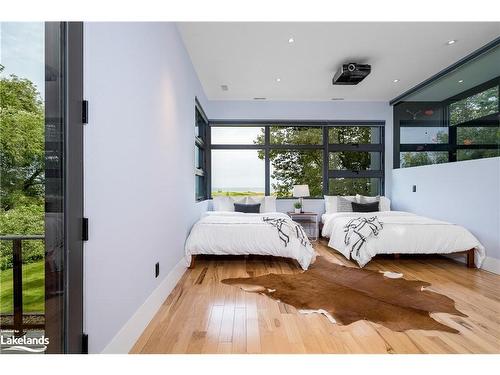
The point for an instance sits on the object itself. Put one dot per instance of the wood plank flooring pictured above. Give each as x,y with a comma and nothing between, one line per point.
202,315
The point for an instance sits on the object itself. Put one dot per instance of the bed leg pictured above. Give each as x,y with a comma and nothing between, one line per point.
470,258
193,261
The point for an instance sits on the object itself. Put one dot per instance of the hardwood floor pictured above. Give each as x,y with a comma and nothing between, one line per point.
203,315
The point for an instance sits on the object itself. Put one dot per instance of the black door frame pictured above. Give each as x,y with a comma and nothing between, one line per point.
74,188
64,316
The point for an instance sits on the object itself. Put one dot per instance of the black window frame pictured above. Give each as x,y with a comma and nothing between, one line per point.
452,147
201,142
325,146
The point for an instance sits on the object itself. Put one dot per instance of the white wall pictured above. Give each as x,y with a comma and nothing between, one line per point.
294,110
139,160
465,193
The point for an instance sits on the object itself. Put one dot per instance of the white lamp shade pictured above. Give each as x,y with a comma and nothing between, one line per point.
300,191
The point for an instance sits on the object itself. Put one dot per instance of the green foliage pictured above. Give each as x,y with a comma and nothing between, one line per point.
21,143
22,152
475,106
22,220
415,159
353,186
297,205
235,193
33,289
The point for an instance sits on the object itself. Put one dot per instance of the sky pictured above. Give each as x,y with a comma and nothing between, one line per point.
237,169
22,46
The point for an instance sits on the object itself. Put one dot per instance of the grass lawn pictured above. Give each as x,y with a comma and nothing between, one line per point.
33,288
235,193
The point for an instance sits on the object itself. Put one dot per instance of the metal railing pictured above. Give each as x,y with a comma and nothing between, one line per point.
18,324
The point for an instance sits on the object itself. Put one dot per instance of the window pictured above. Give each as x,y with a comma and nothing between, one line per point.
354,135
296,135
355,160
296,167
353,186
464,127
453,117
475,106
237,135
270,158
238,172
415,159
200,153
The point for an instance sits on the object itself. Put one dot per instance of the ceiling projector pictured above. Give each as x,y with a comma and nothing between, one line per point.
351,74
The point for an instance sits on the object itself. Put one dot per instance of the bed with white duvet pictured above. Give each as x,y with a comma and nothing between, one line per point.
398,233
236,233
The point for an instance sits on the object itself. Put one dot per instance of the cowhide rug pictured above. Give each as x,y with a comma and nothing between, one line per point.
347,294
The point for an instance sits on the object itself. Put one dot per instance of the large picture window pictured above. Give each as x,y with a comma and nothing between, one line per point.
270,158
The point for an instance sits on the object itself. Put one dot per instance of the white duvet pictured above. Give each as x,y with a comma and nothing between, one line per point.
236,233
403,233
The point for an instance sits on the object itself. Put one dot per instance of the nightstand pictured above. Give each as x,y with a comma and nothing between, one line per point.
309,221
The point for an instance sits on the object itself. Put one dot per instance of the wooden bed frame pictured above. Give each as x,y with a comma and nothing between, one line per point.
262,257
468,253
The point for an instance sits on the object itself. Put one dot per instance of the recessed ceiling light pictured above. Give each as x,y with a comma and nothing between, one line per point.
450,42
291,40
395,80
278,79
460,81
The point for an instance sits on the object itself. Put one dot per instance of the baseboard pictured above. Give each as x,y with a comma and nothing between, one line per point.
125,339
489,264
492,265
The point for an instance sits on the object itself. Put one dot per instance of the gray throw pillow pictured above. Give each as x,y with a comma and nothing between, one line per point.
364,199
344,205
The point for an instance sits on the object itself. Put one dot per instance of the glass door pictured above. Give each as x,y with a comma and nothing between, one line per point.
42,187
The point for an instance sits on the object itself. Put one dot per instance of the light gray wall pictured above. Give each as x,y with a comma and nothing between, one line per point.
465,193
292,110
139,162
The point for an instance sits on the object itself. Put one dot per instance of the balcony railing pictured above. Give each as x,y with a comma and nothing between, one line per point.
18,324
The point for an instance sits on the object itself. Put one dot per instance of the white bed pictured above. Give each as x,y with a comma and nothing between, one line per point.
402,233
236,233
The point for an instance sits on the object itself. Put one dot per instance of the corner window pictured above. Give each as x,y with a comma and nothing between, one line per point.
200,153
451,118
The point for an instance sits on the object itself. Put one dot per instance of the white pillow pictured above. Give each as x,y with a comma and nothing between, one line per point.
267,203
384,202
225,203
332,204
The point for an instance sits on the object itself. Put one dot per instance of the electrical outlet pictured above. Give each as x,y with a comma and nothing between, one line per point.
414,188
157,269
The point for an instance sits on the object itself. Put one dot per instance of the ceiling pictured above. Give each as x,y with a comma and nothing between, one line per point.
249,57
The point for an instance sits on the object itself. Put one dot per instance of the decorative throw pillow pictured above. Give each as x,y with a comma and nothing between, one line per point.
222,203
365,207
247,208
344,204
385,203
269,204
